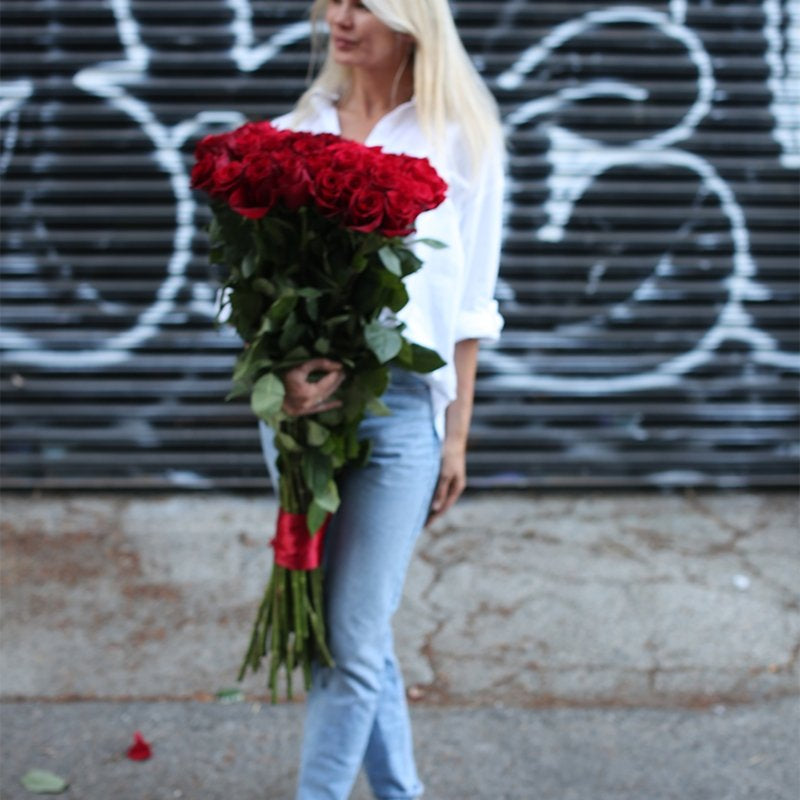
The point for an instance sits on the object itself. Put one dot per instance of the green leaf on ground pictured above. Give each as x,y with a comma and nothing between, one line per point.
227,695
42,781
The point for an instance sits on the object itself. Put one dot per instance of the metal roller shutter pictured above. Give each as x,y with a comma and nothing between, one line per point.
649,279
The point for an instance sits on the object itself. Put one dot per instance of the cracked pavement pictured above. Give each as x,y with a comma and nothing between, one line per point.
524,599
556,646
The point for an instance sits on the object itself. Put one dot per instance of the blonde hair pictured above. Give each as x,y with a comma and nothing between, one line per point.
447,87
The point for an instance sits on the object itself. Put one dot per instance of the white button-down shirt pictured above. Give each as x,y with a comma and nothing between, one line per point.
452,296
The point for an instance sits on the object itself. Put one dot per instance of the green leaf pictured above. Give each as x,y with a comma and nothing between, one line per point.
292,333
364,453
329,497
384,342
390,260
287,442
239,389
266,327
374,381
316,434
268,394
250,264
282,307
246,310
377,407
230,695
411,262
42,781
434,243
264,286
317,472
315,516
423,359
322,346
214,230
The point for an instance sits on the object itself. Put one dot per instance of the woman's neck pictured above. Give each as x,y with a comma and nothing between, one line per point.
373,94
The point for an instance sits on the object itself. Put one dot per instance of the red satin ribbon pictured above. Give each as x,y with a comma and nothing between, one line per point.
295,547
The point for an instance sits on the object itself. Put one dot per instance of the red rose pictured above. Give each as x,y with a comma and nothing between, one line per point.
256,166
366,210
402,210
431,188
257,191
327,191
294,184
345,157
226,178
309,144
203,172
210,154
253,137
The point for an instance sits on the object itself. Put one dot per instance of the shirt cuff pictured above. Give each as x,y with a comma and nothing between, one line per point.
483,323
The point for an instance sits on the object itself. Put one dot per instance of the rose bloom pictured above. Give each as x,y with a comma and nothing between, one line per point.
366,210
401,211
293,182
327,191
307,144
211,153
226,178
257,192
254,137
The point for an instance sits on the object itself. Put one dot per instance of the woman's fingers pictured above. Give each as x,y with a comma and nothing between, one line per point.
309,397
324,364
448,491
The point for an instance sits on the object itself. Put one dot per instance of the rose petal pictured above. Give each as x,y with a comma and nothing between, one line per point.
140,750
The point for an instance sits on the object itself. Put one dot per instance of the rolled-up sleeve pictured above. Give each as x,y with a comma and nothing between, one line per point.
481,223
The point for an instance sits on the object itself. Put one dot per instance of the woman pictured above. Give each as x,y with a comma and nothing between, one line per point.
396,75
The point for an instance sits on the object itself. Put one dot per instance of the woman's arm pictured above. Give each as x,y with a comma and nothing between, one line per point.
453,471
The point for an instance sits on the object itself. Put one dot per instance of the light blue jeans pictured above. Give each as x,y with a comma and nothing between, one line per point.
356,711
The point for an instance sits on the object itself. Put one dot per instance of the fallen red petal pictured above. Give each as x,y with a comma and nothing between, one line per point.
140,750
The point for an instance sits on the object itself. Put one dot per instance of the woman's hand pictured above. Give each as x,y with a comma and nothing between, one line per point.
311,397
452,478
453,472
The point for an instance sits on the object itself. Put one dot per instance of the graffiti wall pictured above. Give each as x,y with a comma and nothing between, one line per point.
650,271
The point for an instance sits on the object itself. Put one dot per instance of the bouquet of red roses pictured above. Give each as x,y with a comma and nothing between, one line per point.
311,228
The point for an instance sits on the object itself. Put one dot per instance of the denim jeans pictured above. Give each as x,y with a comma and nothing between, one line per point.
356,711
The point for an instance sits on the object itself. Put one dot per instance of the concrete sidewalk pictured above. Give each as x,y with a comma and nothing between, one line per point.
207,751
556,645
526,599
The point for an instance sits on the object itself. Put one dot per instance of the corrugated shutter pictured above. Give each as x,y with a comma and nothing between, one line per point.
649,279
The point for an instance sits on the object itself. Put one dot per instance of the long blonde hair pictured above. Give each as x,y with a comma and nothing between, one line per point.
447,87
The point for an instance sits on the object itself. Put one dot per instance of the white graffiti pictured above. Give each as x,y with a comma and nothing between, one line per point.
245,52
783,60
108,80
13,95
576,162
